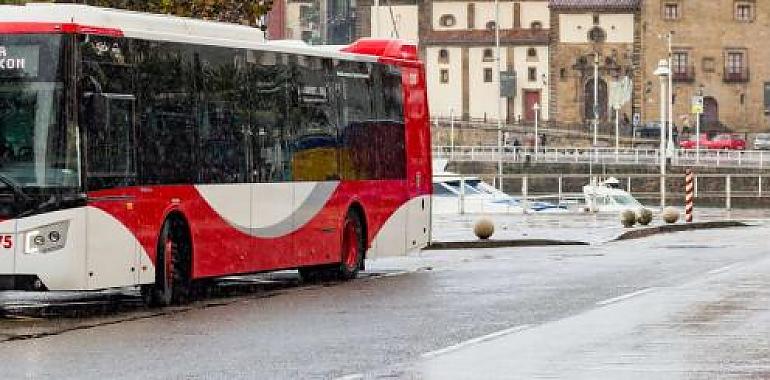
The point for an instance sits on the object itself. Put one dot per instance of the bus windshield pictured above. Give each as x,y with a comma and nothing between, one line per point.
38,152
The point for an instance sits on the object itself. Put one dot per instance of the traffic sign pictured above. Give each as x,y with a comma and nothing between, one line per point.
697,105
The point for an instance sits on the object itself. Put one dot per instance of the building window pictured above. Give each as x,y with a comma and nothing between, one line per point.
447,21
562,73
532,74
680,66
709,65
488,75
444,76
596,19
670,11
531,53
736,68
597,35
489,55
734,62
491,25
537,25
443,56
744,11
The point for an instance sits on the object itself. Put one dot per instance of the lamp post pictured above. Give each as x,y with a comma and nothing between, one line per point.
451,134
536,108
596,99
670,98
663,72
497,99
697,128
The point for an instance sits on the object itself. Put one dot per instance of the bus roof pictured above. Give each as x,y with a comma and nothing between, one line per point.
76,18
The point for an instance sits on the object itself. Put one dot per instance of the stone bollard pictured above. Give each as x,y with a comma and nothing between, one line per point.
644,216
670,215
628,218
484,228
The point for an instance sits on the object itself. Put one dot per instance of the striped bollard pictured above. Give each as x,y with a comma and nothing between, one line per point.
690,197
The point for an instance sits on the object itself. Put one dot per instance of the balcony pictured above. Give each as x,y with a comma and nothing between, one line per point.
741,76
683,74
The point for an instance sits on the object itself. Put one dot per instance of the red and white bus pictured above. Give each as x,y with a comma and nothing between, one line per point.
153,151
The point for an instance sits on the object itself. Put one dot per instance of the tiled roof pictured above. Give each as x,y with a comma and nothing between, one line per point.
595,4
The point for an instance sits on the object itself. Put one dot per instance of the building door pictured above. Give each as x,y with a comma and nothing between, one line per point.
710,112
588,109
531,97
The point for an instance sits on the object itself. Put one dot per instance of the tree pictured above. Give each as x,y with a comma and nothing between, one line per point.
245,12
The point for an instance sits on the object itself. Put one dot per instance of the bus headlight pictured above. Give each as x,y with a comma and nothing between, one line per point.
50,238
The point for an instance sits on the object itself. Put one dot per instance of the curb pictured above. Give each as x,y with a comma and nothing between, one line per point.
444,245
670,228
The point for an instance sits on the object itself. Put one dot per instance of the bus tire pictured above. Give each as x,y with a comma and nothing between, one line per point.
173,265
352,247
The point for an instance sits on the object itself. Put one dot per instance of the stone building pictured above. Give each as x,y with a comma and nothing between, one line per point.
457,43
584,32
720,49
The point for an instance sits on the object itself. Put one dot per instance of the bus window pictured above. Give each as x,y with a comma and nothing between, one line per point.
311,118
109,121
267,76
223,120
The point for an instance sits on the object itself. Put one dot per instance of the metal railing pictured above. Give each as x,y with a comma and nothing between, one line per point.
561,188
624,156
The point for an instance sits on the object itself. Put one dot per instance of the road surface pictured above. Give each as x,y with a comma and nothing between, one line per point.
686,305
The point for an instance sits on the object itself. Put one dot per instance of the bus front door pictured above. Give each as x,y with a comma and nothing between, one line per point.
112,250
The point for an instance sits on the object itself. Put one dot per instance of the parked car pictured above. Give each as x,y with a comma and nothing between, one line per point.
762,141
721,141
692,140
727,141
644,135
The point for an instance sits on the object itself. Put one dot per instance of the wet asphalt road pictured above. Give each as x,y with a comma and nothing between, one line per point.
422,304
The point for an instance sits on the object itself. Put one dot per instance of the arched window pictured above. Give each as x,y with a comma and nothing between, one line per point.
447,21
491,25
536,25
443,56
489,55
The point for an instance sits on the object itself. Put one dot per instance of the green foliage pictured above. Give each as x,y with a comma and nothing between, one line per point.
235,11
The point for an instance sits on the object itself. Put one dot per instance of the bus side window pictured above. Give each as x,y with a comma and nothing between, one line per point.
109,123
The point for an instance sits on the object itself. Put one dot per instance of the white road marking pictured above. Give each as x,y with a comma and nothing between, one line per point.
624,297
723,269
355,376
476,340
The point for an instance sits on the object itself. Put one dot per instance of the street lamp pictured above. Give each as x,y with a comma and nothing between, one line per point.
670,99
497,98
596,98
663,72
536,108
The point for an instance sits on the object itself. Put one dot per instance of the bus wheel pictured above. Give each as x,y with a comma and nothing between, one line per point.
352,247
173,267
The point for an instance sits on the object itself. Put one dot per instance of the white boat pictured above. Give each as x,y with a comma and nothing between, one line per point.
453,194
607,196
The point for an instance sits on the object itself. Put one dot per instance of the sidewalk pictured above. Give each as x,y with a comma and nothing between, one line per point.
717,326
585,227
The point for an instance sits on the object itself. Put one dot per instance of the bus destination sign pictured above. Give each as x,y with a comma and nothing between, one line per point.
19,60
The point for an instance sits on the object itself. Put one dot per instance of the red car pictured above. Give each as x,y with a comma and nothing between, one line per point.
727,141
691,141
722,141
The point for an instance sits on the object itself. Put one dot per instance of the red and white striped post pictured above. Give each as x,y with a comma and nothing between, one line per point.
690,197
